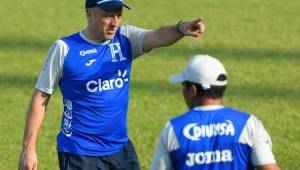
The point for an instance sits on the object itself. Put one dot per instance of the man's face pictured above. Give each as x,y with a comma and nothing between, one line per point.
104,24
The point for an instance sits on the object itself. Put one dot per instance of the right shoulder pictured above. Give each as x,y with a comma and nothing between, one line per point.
52,70
60,44
182,117
58,49
169,138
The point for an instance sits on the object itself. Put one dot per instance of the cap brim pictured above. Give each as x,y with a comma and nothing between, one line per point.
178,78
112,5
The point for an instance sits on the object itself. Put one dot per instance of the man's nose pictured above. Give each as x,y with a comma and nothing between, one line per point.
114,20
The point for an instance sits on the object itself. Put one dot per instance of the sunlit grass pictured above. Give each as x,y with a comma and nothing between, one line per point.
258,41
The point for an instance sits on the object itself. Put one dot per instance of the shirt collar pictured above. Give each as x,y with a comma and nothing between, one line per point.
208,107
91,41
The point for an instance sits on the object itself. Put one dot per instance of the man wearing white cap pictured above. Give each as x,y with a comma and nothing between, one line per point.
92,68
211,136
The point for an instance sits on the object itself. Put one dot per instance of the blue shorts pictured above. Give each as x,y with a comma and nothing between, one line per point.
126,159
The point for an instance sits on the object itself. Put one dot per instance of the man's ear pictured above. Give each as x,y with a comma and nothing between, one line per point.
88,12
193,90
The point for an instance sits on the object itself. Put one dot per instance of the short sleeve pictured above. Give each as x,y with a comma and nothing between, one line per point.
51,73
136,37
166,143
255,135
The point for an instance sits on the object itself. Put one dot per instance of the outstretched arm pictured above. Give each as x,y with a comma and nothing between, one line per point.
35,115
168,35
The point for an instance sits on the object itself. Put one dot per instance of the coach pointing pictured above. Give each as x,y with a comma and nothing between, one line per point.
92,69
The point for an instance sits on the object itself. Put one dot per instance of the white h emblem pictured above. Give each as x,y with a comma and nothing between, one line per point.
116,49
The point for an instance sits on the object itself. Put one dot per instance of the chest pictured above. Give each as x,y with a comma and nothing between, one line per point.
91,61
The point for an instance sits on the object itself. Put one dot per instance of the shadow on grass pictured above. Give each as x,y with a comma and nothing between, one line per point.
174,51
21,81
164,87
157,88
7,44
228,53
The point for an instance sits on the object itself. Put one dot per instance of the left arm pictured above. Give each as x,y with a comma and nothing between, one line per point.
168,35
167,142
161,158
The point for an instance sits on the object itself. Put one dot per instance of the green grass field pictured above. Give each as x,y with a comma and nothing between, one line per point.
258,41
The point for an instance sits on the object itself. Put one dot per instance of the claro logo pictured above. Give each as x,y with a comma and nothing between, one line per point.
86,52
104,85
194,131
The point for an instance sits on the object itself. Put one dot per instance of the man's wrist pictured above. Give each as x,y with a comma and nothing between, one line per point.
179,24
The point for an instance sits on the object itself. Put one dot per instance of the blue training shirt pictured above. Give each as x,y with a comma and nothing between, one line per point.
94,82
210,140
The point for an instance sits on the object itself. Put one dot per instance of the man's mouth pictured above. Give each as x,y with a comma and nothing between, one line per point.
111,31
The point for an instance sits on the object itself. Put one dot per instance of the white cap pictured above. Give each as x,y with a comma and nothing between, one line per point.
204,70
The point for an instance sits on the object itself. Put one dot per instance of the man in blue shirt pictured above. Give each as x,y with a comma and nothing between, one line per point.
92,69
211,136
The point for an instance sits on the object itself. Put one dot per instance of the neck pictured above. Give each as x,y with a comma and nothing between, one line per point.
92,35
206,101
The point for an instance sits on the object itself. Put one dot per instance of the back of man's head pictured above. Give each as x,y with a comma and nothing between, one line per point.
214,92
206,73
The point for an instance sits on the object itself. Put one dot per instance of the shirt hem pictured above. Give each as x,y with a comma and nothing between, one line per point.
89,153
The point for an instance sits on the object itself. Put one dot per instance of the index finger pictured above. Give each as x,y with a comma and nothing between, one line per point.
198,20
